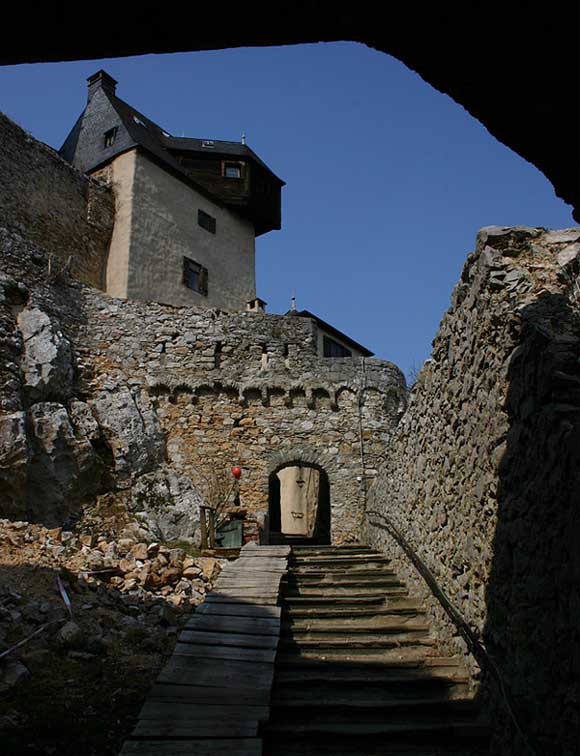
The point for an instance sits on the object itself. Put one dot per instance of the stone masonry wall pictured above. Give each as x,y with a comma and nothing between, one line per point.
47,201
483,478
154,404
247,389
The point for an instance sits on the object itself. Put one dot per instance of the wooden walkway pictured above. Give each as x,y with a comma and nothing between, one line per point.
211,696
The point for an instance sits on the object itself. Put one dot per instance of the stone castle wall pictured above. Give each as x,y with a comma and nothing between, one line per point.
247,389
158,402
150,403
483,477
48,202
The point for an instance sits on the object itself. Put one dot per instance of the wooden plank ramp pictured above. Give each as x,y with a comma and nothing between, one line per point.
214,691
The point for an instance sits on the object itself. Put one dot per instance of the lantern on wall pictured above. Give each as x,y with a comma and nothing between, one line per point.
237,472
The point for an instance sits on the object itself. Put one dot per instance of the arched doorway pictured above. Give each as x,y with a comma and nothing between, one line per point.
299,504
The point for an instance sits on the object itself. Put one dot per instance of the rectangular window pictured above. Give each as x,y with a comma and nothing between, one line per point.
110,137
334,349
232,170
195,276
206,221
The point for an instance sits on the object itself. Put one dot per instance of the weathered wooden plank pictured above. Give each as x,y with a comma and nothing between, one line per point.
250,592
272,586
250,581
198,747
186,670
254,598
223,623
265,564
263,560
233,597
254,549
263,555
225,652
273,572
207,695
253,574
237,609
235,640
214,690
260,571
264,577
245,589
182,713
161,728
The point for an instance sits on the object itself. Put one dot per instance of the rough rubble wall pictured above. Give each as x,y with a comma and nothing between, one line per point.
247,389
483,478
48,202
56,449
156,403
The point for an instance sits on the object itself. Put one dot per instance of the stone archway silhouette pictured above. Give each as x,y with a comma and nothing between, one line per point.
432,43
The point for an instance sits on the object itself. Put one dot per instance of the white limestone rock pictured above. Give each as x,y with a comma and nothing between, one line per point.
47,362
166,506
132,431
568,254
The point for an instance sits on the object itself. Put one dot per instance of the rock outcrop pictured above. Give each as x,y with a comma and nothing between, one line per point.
47,361
63,443
166,506
131,430
482,478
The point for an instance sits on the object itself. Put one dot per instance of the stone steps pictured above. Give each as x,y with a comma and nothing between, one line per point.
381,625
345,576
436,670
394,605
368,695
357,672
340,599
363,714
350,640
350,591
319,563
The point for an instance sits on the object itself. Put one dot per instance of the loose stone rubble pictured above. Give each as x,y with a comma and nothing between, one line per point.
128,599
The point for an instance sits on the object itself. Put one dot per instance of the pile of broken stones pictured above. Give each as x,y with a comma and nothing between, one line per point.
83,596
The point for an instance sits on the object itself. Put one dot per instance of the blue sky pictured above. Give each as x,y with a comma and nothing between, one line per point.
388,180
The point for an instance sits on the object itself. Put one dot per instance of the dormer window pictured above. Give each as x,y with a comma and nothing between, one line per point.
110,137
332,348
232,170
208,143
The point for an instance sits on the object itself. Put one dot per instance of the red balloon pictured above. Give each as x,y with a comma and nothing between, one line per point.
237,472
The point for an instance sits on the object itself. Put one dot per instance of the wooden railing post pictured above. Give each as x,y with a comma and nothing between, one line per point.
211,515
203,526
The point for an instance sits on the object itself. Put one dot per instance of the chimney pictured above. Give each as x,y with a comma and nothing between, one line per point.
256,305
101,80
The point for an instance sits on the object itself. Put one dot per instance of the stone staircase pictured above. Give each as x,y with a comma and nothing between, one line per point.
357,671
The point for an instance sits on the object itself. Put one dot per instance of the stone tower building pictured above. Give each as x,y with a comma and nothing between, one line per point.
187,210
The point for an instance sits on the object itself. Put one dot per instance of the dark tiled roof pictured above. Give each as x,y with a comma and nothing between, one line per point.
159,142
324,326
145,132
219,147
